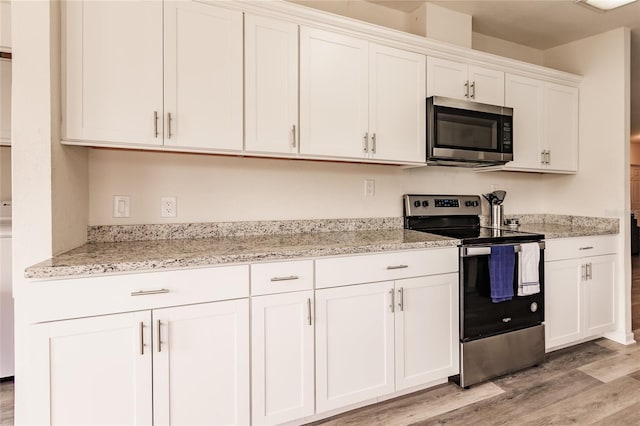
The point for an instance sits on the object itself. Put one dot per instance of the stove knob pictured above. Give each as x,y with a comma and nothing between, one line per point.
533,307
425,204
416,204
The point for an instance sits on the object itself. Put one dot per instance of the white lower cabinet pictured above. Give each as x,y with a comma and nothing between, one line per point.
282,357
426,329
354,344
93,369
374,339
579,294
183,365
201,364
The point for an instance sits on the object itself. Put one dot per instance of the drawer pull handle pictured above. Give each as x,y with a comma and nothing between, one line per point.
289,278
146,292
586,248
397,267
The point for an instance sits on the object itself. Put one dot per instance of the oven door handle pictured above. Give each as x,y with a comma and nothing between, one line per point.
471,251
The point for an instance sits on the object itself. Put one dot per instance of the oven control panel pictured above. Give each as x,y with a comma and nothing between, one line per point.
441,205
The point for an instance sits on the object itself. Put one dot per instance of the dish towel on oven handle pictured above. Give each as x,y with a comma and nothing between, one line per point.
528,264
502,261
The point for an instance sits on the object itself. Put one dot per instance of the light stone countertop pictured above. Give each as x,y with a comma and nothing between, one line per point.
139,256
140,248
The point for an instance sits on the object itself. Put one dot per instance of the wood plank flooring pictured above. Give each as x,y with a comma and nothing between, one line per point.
594,383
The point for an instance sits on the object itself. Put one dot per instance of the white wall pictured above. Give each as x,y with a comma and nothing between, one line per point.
361,10
602,187
211,188
507,49
45,174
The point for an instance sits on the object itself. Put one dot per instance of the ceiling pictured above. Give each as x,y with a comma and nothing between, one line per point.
543,24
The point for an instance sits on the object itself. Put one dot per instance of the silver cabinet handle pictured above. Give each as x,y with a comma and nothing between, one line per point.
401,293
293,132
397,267
366,142
155,123
542,157
289,278
473,90
548,157
169,125
141,338
466,89
159,336
589,271
393,300
583,270
146,292
373,143
309,311
586,248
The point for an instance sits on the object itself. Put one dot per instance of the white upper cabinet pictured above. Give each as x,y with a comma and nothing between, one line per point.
202,76
545,125
334,101
458,80
359,99
271,85
486,85
113,71
5,25
5,102
396,104
524,95
560,124
125,87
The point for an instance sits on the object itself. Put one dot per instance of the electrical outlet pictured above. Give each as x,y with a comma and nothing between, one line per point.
369,188
121,204
168,207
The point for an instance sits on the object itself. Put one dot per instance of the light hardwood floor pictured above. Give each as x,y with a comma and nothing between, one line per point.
594,383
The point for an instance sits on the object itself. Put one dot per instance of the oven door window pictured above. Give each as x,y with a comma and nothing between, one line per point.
480,317
460,129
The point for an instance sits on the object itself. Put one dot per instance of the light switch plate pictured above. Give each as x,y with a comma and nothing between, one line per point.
121,205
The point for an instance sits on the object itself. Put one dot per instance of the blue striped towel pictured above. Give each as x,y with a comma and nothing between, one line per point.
501,265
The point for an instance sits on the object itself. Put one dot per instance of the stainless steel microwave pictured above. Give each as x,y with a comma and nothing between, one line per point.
471,134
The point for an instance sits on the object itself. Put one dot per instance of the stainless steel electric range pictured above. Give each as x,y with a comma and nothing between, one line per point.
495,338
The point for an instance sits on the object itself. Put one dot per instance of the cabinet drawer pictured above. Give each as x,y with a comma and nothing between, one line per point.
574,248
281,277
339,271
89,296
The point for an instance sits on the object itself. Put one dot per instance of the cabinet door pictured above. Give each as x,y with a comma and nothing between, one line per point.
486,85
397,104
354,344
95,370
112,76
271,84
561,126
334,105
201,364
202,76
5,102
563,302
426,329
524,95
5,25
447,78
600,294
282,357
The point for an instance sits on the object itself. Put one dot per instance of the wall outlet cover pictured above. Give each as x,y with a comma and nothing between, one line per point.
168,207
